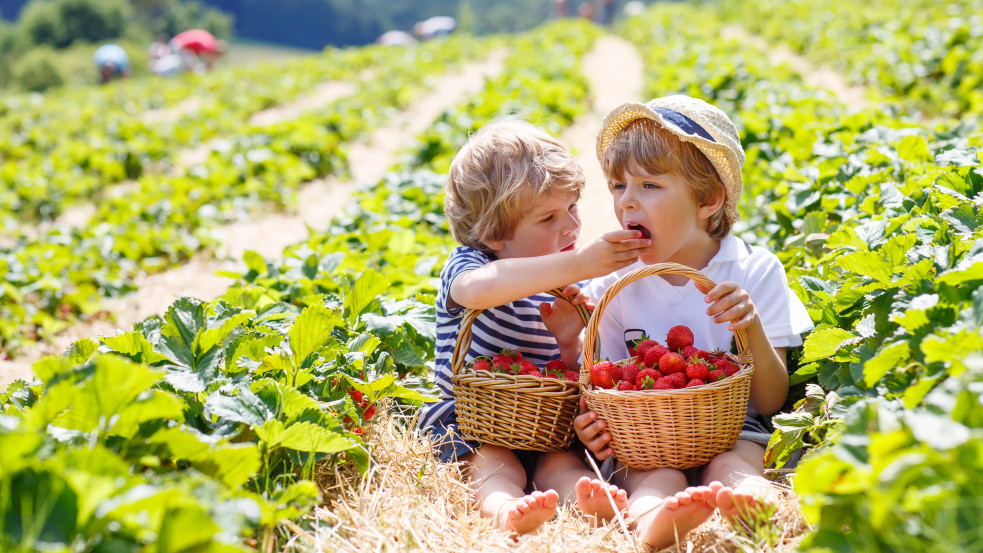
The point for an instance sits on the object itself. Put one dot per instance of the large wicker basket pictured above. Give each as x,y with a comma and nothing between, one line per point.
514,411
679,428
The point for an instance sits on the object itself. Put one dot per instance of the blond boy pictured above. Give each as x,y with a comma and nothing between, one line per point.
673,167
512,203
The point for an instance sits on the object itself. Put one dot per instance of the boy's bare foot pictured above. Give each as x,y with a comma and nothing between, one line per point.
529,512
593,501
751,498
678,514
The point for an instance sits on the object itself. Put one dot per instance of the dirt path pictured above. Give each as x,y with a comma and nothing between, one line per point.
318,202
853,97
611,85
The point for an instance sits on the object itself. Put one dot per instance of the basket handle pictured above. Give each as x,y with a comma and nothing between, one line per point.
463,343
592,342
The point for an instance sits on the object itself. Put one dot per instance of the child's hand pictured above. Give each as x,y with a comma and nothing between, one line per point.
729,302
613,250
591,432
561,317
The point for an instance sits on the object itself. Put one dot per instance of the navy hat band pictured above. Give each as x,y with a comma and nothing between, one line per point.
684,123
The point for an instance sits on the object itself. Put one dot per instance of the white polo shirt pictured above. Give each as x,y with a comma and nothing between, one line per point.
653,306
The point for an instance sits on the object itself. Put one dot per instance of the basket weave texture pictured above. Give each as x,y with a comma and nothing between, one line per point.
514,411
677,429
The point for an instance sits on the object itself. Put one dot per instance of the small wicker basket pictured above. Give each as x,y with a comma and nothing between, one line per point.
679,428
514,411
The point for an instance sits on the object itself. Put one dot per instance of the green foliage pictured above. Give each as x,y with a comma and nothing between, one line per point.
177,16
38,69
59,23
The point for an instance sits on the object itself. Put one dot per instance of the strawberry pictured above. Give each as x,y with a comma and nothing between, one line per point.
653,355
600,374
644,346
664,383
688,351
534,372
727,366
514,368
647,373
527,365
717,375
501,361
630,373
625,386
555,366
678,379
695,382
704,355
369,412
572,376
679,337
698,370
482,364
617,373
671,363
356,395
515,355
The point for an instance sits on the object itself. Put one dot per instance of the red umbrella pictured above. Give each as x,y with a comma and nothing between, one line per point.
198,41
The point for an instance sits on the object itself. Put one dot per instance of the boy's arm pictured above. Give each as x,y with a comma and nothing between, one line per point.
769,383
506,280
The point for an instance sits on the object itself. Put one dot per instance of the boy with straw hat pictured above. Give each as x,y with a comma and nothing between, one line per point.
673,167
511,203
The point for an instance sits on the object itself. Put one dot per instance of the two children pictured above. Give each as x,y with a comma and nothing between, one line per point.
512,203
674,170
673,167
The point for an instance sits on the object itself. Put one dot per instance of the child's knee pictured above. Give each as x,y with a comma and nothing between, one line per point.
747,458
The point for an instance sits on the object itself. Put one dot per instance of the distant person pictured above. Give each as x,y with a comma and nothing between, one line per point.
159,48
587,11
440,25
111,62
396,38
198,48
560,9
606,16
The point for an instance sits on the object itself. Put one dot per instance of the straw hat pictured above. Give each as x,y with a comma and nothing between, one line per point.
693,121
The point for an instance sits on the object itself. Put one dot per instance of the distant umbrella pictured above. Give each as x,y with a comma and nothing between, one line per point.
198,41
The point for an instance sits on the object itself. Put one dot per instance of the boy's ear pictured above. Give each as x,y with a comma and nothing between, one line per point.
713,204
494,245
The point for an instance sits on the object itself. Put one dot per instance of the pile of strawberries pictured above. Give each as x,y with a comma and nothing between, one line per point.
654,366
512,362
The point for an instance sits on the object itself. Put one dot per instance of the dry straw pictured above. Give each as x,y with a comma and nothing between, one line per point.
514,411
668,428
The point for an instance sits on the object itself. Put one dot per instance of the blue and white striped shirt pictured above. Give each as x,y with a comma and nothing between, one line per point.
516,326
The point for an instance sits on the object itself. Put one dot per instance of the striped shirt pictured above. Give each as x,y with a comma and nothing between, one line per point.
516,326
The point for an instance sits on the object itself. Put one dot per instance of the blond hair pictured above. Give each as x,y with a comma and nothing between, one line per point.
502,173
644,146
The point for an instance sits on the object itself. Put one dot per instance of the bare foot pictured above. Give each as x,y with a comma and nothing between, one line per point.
752,498
678,514
592,500
529,512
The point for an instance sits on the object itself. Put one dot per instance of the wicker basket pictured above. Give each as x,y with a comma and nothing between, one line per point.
514,411
679,428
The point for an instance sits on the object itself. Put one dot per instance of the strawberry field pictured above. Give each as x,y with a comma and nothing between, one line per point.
262,419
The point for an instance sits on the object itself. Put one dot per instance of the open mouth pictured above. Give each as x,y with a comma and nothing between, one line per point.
568,248
645,232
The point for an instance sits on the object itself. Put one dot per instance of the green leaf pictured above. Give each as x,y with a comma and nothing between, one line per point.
244,407
311,332
887,358
183,320
821,344
869,264
233,464
134,345
81,350
936,431
364,292
39,506
291,502
303,436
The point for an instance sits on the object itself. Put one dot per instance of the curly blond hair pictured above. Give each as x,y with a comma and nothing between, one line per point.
501,174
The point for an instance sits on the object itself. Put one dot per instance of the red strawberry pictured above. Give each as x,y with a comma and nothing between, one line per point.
515,355
536,373
369,412
703,355
625,386
617,373
679,337
572,376
689,351
728,367
356,395
671,363
664,383
644,346
600,374
678,379
555,367
527,365
651,374
698,370
717,375
482,364
501,361
630,373
695,382
653,355
514,368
